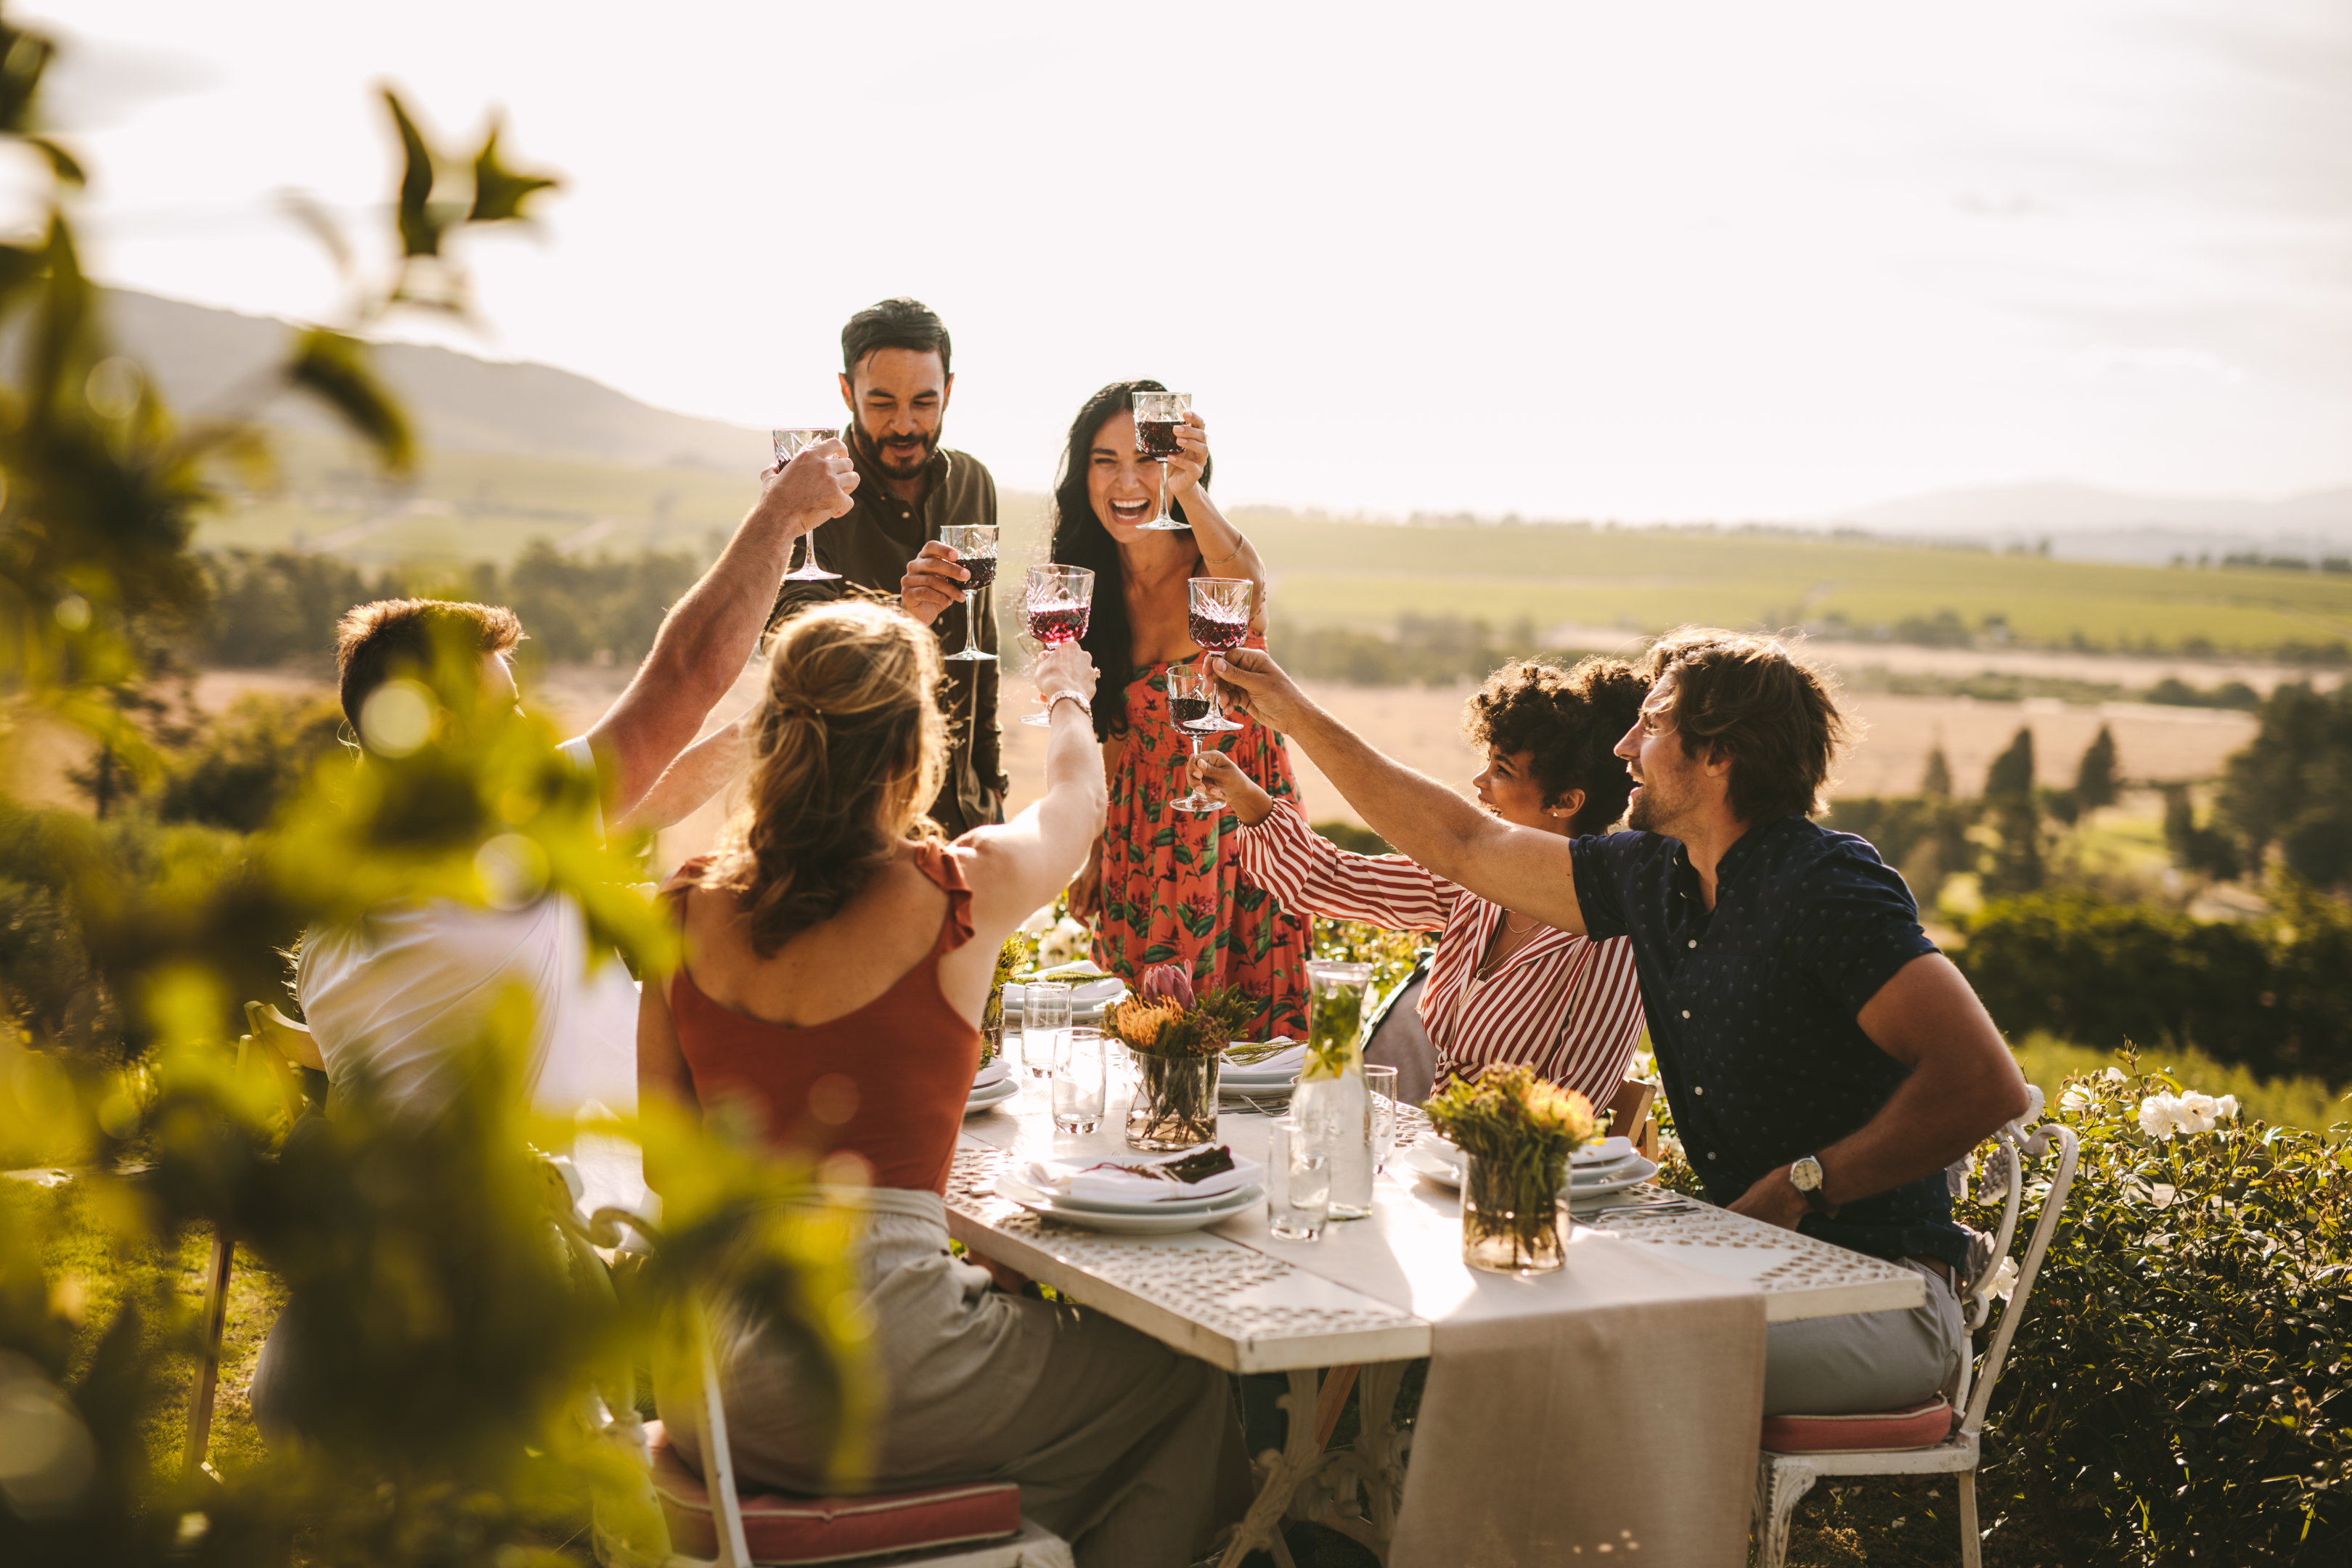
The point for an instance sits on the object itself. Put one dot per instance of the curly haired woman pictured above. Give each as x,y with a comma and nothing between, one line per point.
1504,987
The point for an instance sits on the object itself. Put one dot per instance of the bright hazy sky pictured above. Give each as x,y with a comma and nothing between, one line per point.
1721,259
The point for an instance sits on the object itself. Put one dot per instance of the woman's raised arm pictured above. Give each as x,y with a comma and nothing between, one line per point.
1025,862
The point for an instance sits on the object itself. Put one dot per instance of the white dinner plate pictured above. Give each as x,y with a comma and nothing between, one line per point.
1616,1179
1432,1166
1162,1205
1127,1222
991,1095
995,1072
1608,1151
1263,1096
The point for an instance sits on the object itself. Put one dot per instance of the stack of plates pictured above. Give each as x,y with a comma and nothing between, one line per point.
1133,1216
1609,1166
1264,1085
991,1085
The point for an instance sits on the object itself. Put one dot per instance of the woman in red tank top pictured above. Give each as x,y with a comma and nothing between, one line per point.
837,958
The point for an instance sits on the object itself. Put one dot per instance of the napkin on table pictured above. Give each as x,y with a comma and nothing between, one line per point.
1092,1178
1283,1066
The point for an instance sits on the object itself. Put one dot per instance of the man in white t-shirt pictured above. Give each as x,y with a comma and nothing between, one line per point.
399,998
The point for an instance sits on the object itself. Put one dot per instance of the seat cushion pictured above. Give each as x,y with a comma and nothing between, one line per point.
792,1530
1920,1426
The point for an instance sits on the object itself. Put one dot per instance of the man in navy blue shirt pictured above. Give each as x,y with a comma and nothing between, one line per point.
1824,1063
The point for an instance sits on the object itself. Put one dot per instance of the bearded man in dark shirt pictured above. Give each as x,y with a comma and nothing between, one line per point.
1824,1063
896,377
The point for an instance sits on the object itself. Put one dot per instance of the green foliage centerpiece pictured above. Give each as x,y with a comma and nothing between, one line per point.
1177,1039
1515,1132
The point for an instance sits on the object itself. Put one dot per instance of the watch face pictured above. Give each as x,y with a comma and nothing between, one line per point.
1805,1174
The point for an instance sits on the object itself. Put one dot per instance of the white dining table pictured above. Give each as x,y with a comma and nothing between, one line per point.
1353,1308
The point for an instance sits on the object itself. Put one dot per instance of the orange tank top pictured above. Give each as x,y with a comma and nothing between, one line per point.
886,1082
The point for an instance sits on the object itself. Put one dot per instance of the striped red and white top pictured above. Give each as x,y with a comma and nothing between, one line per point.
1566,1005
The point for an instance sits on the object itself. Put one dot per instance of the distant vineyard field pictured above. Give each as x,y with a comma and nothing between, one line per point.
466,507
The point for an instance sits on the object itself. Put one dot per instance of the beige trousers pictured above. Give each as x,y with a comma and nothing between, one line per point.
1127,1449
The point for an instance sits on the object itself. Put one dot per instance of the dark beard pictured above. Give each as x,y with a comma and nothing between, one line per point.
882,458
1641,819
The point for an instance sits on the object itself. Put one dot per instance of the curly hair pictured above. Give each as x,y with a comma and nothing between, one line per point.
1571,720
850,723
1746,697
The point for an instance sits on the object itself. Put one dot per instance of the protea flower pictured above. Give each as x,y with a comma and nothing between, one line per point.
1167,982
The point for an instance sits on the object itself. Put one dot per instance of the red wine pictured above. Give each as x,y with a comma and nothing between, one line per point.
1216,631
982,569
1188,711
1060,624
1156,438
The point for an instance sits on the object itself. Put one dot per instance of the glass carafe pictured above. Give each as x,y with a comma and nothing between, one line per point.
1331,1081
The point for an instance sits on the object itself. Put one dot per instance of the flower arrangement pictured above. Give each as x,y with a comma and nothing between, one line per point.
1515,1132
1177,1036
1165,1017
1012,957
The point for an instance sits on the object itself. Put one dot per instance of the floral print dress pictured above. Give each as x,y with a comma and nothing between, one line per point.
1171,891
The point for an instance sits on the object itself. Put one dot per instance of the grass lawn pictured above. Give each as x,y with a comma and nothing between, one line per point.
92,1278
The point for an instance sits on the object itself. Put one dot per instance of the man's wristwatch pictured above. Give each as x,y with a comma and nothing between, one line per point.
1075,695
1805,1176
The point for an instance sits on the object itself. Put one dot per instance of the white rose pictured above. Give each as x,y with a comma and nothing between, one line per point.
2114,1075
2195,1112
2076,1098
2156,1117
2004,1279
2226,1108
1039,923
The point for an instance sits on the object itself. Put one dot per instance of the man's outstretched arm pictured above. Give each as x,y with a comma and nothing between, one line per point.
707,636
1518,867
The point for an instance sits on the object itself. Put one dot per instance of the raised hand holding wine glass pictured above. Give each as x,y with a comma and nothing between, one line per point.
1158,416
789,444
975,551
1059,601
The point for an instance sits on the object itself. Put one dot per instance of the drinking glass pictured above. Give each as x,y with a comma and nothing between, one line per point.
1060,601
975,550
1045,1026
1078,1083
1192,704
1157,416
1382,1083
1219,621
1298,1180
790,444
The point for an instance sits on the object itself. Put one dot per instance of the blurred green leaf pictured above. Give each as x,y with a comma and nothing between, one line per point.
60,161
333,367
420,226
499,192
23,58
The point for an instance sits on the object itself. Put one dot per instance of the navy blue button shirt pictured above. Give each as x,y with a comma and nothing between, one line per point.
1752,1007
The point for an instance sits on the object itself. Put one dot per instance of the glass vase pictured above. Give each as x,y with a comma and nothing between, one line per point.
1515,1219
1331,1094
1175,1104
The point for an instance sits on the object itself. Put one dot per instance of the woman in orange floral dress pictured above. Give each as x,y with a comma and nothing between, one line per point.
1163,886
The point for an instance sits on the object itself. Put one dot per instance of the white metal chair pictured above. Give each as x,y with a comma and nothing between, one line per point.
975,1526
1786,1474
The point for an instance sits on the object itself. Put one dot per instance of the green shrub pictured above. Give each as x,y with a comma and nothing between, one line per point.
2274,995
2175,1392
232,772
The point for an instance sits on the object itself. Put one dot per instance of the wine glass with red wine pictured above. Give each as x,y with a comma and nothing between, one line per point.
975,551
1192,705
1157,415
1059,601
1219,622
790,444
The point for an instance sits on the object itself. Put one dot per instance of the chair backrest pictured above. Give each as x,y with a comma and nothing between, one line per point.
1628,1115
610,1227
2014,1144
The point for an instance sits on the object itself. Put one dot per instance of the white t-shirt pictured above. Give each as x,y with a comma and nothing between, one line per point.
403,997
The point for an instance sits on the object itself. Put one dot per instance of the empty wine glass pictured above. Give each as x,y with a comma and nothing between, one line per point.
1192,703
975,550
1219,621
790,444
1060,600
1156,416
